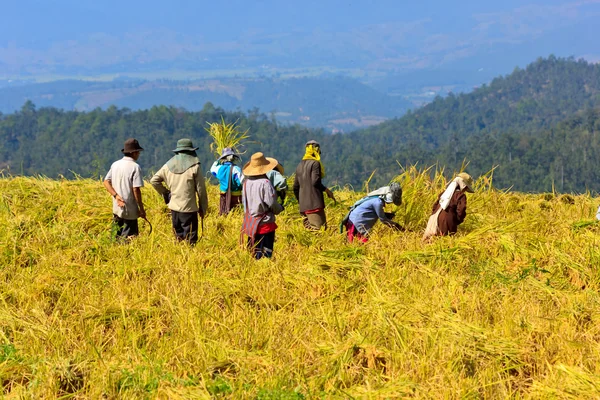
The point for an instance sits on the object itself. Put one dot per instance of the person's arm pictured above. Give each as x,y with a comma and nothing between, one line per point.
157,182
279,182
214,168
296,186
315,177
270,198
137,194
201,191
378,206
138,183
461,207
237,176
109,188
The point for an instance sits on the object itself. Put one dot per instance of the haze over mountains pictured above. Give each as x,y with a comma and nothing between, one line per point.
70,38
282,57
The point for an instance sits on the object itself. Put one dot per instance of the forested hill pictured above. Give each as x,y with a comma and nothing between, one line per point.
48,141
539,126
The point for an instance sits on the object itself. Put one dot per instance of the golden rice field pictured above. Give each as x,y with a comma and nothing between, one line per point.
508,308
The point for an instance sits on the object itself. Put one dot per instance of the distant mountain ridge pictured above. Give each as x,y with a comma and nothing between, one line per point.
337,103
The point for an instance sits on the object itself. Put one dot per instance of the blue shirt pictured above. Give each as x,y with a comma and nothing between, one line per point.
221,172
366,215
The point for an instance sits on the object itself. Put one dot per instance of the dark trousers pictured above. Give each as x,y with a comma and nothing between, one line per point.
124,228
263,245
185,225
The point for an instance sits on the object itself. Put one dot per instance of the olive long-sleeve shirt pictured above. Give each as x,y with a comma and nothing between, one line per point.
184,187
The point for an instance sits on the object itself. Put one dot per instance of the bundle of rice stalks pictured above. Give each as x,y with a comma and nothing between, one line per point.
225,135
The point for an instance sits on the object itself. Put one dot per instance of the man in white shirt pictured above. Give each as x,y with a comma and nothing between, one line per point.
123,181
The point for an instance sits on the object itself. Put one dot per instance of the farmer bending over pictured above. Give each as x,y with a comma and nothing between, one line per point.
364,213
450,209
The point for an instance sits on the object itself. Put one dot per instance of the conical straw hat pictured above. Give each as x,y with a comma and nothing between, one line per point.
259,165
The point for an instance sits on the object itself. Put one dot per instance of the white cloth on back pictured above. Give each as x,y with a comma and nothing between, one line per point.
124,175
384,192
447,195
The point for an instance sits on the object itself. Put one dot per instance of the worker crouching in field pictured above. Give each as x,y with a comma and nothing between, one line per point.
185,180
230,180
450,209
260,206
308,187
124,181
364,213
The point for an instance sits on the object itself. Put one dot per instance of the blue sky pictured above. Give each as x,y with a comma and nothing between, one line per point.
55,35
27,21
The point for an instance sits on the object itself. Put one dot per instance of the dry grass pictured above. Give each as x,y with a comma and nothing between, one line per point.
507,308
226,135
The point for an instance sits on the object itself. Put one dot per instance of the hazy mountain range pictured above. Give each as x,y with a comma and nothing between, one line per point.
335,64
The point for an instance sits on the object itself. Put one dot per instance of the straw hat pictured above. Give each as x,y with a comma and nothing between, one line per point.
467,180
259,165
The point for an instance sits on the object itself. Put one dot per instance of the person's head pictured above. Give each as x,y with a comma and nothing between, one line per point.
259,165
279,168
132,148
465,182
314,146
394,194
135,155
185,146
228,155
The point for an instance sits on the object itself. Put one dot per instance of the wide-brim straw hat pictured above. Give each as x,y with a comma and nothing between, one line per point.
468,180
259,165
185,145
131,146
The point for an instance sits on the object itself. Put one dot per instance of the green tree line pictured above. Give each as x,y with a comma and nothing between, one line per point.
538,126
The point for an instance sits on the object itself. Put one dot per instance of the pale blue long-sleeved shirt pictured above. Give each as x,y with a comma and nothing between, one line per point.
366,215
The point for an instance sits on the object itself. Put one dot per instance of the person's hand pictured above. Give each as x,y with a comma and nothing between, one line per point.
330,195
120,201
167,197
397,227
201,213
142,213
